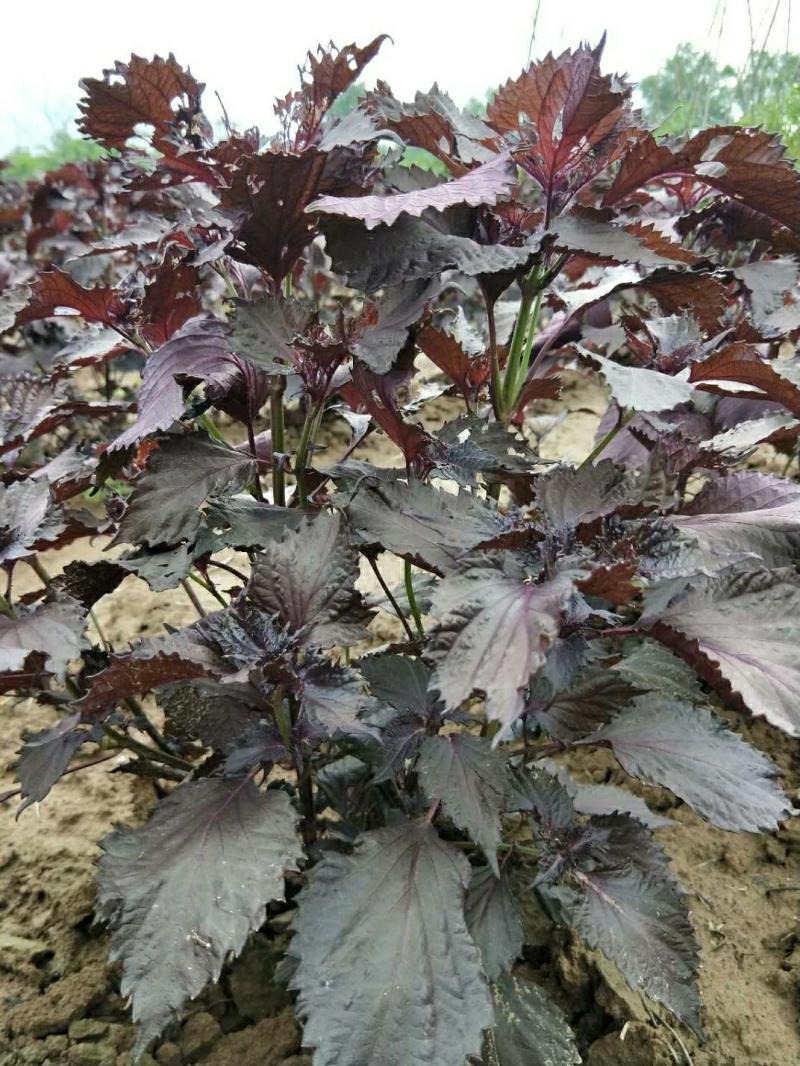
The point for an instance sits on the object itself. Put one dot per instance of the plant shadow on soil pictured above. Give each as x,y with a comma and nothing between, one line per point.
59,999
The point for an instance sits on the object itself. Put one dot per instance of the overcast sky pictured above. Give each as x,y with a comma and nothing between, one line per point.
249,51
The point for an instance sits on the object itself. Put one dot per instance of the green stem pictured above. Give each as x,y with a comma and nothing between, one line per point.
412,600
602,444
251,441
141,721
307,437
187,588
278,439
5,607
514,352
123,741
210,589
39,570
389,595
525,356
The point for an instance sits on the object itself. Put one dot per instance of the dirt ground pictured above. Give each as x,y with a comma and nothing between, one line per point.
59,1002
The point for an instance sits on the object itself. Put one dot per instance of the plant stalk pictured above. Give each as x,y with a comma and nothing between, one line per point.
389,595
307,438
412,600
277,390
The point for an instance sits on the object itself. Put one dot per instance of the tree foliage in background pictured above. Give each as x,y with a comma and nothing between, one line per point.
693,90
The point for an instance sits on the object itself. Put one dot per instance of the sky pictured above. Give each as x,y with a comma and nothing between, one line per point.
249,51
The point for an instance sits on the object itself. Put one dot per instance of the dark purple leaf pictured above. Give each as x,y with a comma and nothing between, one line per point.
410,249
746,164
53,630
597,697
483,185
571,122
398,309
469,777
740,632
244,522
593,234
617,892
45,756
387,971
308,580
495,627
263,331
639,389
570,497
687,750
529,1029
745,512
429,526
154,92
28,519
180,656
400,681
336,701
493,921
181,475
183,892
198,352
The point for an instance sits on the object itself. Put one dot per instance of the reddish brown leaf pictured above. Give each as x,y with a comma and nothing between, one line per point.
749,165
572,121
267,198
56,293
741,363
170,300
612,583
142,91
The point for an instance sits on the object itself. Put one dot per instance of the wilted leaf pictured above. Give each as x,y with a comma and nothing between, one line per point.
184,891
387,971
